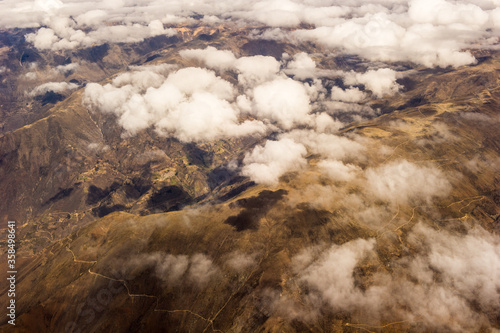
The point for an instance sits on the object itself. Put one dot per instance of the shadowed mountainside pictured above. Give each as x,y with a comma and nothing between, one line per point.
149,234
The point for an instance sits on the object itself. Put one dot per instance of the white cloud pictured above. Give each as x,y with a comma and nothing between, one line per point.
328,145
339,171
432,33
141,80
240,261
190,80
332,273
92,17
324,123
31,76
173,270
351,111
43,39
302,60
434,286
202,269
302,260
65,69
268,34
381,82
257,69
283,101
170,268
442,12
53,86
351,95
408,36
63,33
456,257
266,164
205,117
403,181
191,104
302,66
438,132
252,70
211,57
127,33
450,283
276,13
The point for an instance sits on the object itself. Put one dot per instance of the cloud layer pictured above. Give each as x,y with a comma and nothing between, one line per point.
191,104
402,181
431,33
173,270
451,284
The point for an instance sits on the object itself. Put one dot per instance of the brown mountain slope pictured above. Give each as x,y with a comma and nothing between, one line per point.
72,166
241,265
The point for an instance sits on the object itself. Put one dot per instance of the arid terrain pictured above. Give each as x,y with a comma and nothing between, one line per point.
292,186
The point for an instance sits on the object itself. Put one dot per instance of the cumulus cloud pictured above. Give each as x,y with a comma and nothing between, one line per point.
339,171
432,33
195,104
302,60
191,104
52,86
212,57
403,181
240,261
332,273
257,69
442,12
91,18
64,33
266,164
351,95
438,132
283,101
43,39
190,80
381,82
66,69
252,70
174,269
477,116
268,34
328,145
470,264
204,117
302,260
275,13
324,123
301,66
437,287
97,147
201,269
451,283
347,112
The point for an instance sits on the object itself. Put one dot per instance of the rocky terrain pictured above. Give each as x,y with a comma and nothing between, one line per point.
376,210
